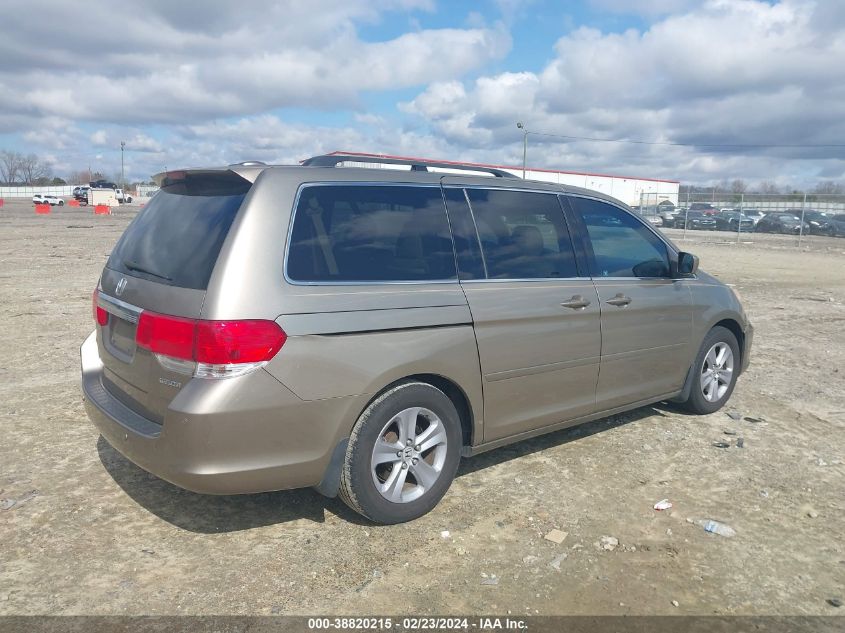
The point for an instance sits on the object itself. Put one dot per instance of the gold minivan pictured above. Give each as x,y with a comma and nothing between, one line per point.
360,330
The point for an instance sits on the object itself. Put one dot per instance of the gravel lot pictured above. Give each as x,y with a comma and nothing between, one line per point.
82,531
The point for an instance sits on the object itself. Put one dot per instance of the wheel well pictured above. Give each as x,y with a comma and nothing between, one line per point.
453,392
734,327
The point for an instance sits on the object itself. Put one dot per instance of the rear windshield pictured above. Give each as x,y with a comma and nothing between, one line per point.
176,239
366,233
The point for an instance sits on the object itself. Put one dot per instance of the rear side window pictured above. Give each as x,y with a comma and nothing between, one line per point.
366,233
523,235
622,245
176,239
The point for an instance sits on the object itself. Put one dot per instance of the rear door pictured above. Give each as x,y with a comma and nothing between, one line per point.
646,315
536,316
162,263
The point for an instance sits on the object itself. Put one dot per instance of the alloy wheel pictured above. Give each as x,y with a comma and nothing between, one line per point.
409,455
717,372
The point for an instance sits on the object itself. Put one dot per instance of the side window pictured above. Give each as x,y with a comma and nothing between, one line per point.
370,233
622,246
523,235
467,250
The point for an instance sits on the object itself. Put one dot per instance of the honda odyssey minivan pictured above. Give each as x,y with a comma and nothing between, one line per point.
361,330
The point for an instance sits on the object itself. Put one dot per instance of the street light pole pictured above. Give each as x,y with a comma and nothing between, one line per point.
122,178
524,145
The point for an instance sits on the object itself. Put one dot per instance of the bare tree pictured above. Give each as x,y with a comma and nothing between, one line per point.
767,186
829,187
9,166
81,177
32,169
739,186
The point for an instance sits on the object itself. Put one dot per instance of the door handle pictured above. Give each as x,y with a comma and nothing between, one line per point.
577,302
619,300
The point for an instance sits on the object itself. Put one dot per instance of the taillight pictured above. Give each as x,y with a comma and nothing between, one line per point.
218,348
101,317
168,335
226,342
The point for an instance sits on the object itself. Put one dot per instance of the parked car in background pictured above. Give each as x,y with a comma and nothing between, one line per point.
263,327
733,221
81,194
102,184
654,220
781,222
667,214
837,225
755,215
53,201
122,196
678,213
704,207
819,221
695,220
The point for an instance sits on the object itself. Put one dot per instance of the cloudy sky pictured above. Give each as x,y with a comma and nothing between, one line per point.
742,88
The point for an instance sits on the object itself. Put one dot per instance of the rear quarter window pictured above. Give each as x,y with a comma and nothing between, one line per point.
370,233
177,238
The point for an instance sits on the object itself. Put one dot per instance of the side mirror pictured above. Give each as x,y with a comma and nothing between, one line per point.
687,264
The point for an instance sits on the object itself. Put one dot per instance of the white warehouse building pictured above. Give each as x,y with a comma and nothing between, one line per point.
631,190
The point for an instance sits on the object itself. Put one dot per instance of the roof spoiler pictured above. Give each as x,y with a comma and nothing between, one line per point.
247,170
417,164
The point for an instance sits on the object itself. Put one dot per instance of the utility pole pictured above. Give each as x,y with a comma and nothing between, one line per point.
122,178
524,145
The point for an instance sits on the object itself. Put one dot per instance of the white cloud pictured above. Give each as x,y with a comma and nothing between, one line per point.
738,72
170,63
183,86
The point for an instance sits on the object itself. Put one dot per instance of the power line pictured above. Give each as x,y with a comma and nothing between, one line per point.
717,145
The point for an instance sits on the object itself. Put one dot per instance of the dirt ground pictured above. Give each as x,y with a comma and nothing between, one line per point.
83,531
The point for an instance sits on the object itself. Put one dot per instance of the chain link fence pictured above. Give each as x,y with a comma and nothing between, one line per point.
740,216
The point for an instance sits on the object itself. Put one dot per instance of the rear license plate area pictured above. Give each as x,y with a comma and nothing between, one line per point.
120,338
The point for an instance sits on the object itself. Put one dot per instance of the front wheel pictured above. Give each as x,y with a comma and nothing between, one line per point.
403,454
714,372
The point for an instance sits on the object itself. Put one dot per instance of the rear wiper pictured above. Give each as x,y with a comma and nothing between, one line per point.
136,266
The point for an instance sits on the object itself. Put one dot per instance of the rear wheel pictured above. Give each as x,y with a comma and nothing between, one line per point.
714,372
403,454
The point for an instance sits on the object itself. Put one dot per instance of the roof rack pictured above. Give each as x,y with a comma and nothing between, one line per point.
332,160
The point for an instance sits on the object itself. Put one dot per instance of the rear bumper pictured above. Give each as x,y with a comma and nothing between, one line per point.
229,436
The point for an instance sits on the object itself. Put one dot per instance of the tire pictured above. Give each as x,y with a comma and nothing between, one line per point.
705,397
418,407
61,203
